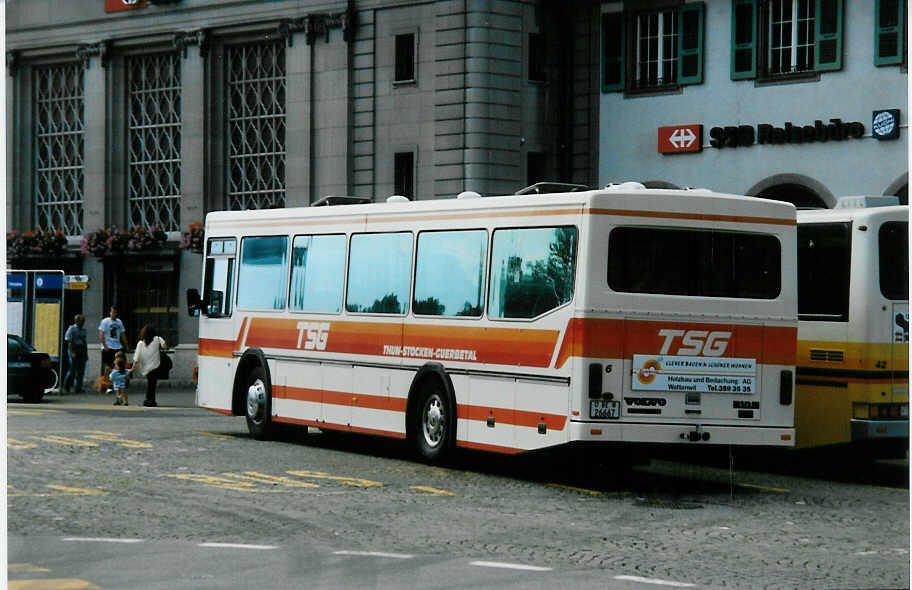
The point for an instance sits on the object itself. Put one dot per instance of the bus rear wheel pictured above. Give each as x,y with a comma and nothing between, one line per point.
434,423
258,404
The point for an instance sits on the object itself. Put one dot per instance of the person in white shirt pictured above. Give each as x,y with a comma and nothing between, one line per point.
147,361
113,338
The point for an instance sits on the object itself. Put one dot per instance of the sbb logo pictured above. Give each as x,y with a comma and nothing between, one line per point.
695,342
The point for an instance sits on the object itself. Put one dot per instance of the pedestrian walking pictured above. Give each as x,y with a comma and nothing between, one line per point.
147,360
113,338
120,380
76,339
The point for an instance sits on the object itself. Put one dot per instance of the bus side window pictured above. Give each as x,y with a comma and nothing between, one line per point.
219,277
379,273
317,273
824,257
532,271
449,275
893,253
263,273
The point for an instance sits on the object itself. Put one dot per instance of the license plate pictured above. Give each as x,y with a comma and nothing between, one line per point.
603,408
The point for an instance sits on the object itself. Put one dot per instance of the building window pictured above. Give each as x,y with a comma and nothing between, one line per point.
656,50
256,126
776,39
405,58
791,36
59,148
535,168
890,43
537,57
404,181
154,140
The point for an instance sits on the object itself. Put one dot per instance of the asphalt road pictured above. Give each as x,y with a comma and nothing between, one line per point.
177,497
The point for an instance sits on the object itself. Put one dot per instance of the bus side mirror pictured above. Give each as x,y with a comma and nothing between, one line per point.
194,302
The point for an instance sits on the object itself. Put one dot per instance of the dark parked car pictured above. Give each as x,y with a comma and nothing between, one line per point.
28,372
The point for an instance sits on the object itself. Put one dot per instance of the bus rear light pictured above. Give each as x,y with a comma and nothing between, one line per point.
785,437
596,431
862,411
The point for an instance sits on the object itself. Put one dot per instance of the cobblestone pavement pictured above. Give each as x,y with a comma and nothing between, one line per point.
78,466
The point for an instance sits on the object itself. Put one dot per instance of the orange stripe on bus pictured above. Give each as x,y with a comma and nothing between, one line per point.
515,417
692,216
517,213
605,338
222,348
339,398
497,346
486,447
523,418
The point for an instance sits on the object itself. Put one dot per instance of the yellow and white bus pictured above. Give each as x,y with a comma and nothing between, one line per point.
852,383
508,324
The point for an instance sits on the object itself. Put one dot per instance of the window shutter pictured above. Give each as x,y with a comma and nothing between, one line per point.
690,44
612,51
888,32
744,40
829,36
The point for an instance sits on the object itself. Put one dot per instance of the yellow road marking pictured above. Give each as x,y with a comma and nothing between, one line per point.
61,491
349,481
763,488
29,412
53,584
430,490
271,479
63,440
76,491
19,444
25,568
115,438
216,435
226,483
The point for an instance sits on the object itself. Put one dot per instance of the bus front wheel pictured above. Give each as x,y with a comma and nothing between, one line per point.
434,424
259,404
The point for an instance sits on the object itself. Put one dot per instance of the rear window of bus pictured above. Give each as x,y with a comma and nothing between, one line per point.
694,263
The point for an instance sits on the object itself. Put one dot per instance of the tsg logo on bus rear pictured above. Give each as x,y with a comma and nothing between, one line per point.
695,342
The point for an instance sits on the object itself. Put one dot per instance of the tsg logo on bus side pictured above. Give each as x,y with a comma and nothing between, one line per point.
317,335
695,342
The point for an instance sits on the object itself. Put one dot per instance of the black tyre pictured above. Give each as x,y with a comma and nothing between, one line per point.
434,422
258,402
34,395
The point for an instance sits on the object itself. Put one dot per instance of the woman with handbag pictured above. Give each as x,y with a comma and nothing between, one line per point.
150,360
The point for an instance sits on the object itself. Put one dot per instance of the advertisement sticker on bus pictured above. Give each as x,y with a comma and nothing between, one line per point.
694,374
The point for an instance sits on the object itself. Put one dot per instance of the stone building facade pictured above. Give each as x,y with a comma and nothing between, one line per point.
151,113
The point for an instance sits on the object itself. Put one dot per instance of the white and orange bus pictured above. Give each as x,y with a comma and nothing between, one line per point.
852,384
508,324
